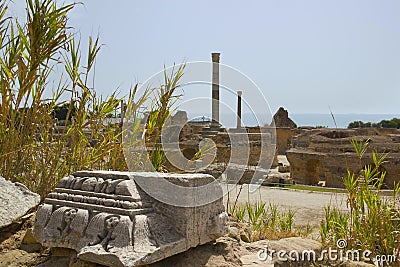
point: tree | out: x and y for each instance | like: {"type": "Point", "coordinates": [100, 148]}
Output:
{"type": "Point", "coordinates": [393, 123]}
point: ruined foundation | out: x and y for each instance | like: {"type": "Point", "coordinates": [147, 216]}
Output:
{"type": "Point", "coordinates": [326, 155]}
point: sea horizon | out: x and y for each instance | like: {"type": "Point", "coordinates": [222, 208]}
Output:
{"type": "Point", "coordinates": [341, 120]}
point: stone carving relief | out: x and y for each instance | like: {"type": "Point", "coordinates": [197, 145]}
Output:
{"type": "Point", "coordinates": [105, 216]}
{"type": "Point", "coordinates": [109, 231]}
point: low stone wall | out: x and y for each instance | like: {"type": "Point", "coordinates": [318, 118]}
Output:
{"type": "Point", "coordinates": [327, 154]}
{"type": "Point", "coordinates": [256, 148]}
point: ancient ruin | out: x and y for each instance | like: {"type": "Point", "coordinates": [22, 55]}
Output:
{"type": "Point", "coordinates": [242, 154]}
{"type": "Point", "coordinates": [239, 110]}
{"type": "Point", "coordinates": [281, 119]}
{"type": "Point", "coordinates": [326, 154]}
{"type": "Point", "coordinates": [215, 88]}
{"type": "Point", "coordinates": [108, 219]}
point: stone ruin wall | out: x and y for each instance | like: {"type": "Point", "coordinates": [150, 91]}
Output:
{"type": "Point", "coordinates": [284, 138]}
{"type": "Point", "coordinates": [191, 135]}
{"type": "Point", "coordinates": [254, 147]}
{"type": "Point", "coordinates": [326, 154]}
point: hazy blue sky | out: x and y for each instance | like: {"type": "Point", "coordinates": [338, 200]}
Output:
{"type": "Point", "coordinates": [305, 55]}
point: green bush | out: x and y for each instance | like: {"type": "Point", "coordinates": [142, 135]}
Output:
{"type": "Point", "coordinates": [64, 112]}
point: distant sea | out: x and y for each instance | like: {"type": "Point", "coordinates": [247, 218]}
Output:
{"type": "Point", "coordinates": [324, 120]}
{"type": "Point", "coordinates": [341, 120]}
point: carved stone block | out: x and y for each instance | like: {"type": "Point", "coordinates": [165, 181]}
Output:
{"type": "Point", "coordinates": [107, 218]}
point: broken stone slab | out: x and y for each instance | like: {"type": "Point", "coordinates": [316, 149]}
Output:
{"type": "Point", "coordinates": [109, 217]}
{"type": "Point", "coordinates": [15, 201]}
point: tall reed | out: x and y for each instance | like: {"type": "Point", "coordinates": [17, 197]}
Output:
{"type": "Point", "coordinates": [373, 222]}
{"type": "Point", "coordinates": [34, 148]}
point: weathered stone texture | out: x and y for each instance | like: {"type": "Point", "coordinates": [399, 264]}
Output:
{"type": "Point", "coordinates": [108, 219]}
{"type": "Point", "coordinates": [327, 154]}
{"type": "Point", "coordinates": [251, 146]}
{"type": "Point", "coordinates": [281, 119]}
{"type": "Point", "coordinates": [293, 245]}
{"type": "Point", "coordinates": [15, 201]}
{"type": "Point", "coordinates": [283, 139]}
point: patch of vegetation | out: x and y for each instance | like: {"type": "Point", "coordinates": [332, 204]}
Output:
{"type": "Point", "coordinates": [64, 112]}
{"type": "Point", "coordinates": [266, 221]}
{"type": "Point", "coordinates": [373, 222]}
{"type": "Point", "coordinates": [393, 123]}
{"type": "Point", "coordinates": [32, 150]}
{"type": "Point", "coordinates": [315, 188]}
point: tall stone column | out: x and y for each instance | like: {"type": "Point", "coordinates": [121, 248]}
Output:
{"type": "Point", "coordinates": [239, 110]}
{"type": "Point", "coordinates": [215, 88]}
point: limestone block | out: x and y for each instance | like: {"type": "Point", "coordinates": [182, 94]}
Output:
{"type": "Point", "coordinates": [15, 201]}
{"type": "Point", "coordinates": [109, 219]}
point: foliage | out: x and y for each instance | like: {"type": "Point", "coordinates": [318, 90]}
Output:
{"type": "Point", "coordinates": [64, 112]}
{"type": "Point", "coordinates": [265, 221]}
{"type": "Point", "coordinates": [34, 150]}
{"type": "Point", "coordinates": [161, 109]}
{"type": "Point", "coordinates": [393, 123]}
{"type": "Point", "coordinates": [373, 221]}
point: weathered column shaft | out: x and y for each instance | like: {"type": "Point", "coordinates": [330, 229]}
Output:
{"type": "Point", "coordinates": [215, 87]}
{"type": "Point", "coordinates": [239, 110]}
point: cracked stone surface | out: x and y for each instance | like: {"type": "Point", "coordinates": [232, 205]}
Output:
{"type": "Point", "coordinates": [15, 201]}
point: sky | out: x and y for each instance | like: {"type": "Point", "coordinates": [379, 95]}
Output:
{"type": "Point", "coordinates": [309, 56]}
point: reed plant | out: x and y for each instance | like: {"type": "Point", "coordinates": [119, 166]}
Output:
{"type": "Point", "coordinates": [42, 69]}
{"type": "Point", "coordinates": [33, 149]}
{"type": "Point", "coordinates": [373, 221]}
{"type": "Point", "coordinates": [162, 107]}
